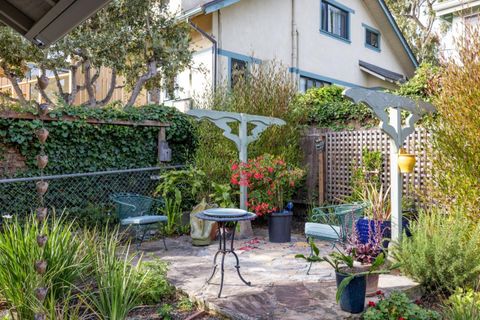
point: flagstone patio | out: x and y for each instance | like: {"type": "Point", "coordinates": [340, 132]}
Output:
{"type": "Point", "coordinates": [280, 289]}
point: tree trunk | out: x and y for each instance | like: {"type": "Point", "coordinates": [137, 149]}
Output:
{"type": "Point", "coordinates": [111, 89]}
{"type": "Point", "coordinates": [59, 85]}
{"type": "Point", "coordinates": [16, 87]}
{"type": "Point", "coordinates": [151, 72]}
{"type": "Point", "coordinates": [74, 89]}
{"type": "Point", "coordinates": [155, 96]}
{"type": "Point", "coordinates": [92, 102]}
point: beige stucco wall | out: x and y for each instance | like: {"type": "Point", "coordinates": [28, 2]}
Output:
{"type": "Point", "coordinates": [263, 29]}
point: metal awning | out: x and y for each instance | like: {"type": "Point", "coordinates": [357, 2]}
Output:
{"type": "Point", "coordinates": [45, 21]}
{"type": "Point", "coordinates": [381, 73]}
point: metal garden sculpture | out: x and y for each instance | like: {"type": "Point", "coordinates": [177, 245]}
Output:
{"type": "Point", "coordinates": [223, 120]}
{"type": "Point", "coordinates": [388, 108]}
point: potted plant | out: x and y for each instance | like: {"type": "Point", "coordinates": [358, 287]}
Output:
{"type": "Point", "coordinates": [350, 278]}
{"type": "Point", "coordinates": [406, 161]}
{"type": "Point", "coordinates": [366, 253]}
{"type": "Point", "coordinates": [271, 182]}
{"type": "Point", "coordinates": [377, 213]}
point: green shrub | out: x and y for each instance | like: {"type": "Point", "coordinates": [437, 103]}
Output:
{"type": "Point", "coordinates": [327, 107]}
{"type": "Point", "coordinates": [119, 286]}
{"type": "Point", "coordinates": [463, 305]}
{"type": "Point", "coordinates": [456, 143]}
{"type": "Point", "coordinates": [267, 91]}
{"type": "Point", "coordinates": [398, 306]}
{"type": "Point", "coordinates": [66, 256]}
{"type": "Point", "coordinates": [443, 252]}
{"type": "Point", "coordinates": [155, 286]}
{"type": "Point", "coordinates": [81, 147]}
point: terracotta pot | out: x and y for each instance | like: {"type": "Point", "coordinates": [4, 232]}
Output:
{"type": "Point", "coordinates": [41, 214]}
{"type": "Point", "coordinates": [42, 161]}
{"type": "Point", "coordinates": [372, 281]}
{"type": "Point", "coordinates": [41, 266]}
{"type": "Point", "coordinates": [41, 293]}
{"type": "Point", "coordinates": [43, 82]}
{"type": "Point", "coordinates": [42, 135]}
{"type": "Point", "coordinates": [42, 240]}
{"type": "Point", "coordinates": [42, 187]}
{"type": "Point", "coordinates": [406, 162]}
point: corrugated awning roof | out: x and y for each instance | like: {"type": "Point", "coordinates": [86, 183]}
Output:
{"type": "Point", "coordinates": [45, 21]}
{"type": "Point", "coordinates": [381, 73]}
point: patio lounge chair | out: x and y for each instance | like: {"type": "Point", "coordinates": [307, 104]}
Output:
{"type": "Point", "coordinates": [332, 223]}
{"type": "Point", "coordinates": [139, 212]}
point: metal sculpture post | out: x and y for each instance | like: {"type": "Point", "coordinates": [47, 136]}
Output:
{"type": "Point", "coordinates": [223, 120]}
{"type": "Point", "coordinates": [388, 108]}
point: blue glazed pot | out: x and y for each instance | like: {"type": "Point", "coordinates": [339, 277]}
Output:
{"type": "Point", "coordinates": [353, 297]}
{"type": "Point", "coordinates": [385, 226]}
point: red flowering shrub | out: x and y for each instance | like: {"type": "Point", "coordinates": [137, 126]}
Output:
{"type": "Point", "coordinates": [270, 182]}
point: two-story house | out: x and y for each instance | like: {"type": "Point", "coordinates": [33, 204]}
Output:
{"type": "Point", "coordinates": [345, 42]}
{"type": "Point", "coordinates": [458, 15]}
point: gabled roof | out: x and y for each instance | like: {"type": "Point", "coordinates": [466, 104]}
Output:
{"type": "Point", "coordinates": [45, 21]}
{"type": "Point", "coordinates": [205, 7]}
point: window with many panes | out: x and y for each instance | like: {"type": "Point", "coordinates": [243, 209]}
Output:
{"type": "Point", "coordinates": [334, 20]}
{"type": "Point", "coordinates": [372, 38]}
{"type": "Point", "coordinates": [307, 83]}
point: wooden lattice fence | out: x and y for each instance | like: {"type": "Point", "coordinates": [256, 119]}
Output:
{"type": "Point", "coordinates": [343, 153]}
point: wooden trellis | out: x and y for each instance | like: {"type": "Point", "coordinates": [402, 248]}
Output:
{"type": "Point", "coordinates": [343, 153]}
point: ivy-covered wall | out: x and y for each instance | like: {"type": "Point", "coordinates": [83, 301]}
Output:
{"type": "Point", "coordinates": [81, 147]}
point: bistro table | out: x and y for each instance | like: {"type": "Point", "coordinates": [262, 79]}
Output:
{"type": "Point", "coordinates": [223, 216]}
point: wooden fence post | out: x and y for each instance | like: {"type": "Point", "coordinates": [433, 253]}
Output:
{"type": "Point", "coordinates": [321, 169]}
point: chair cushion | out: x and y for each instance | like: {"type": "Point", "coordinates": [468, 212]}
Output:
{"type": "Point", "coordinates": [143, 220]}
{"type": "Point", "coordinates": [321, 231]}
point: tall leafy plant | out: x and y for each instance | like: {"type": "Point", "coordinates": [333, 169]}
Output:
{"type": "Point", "coordinates": [456, 144]}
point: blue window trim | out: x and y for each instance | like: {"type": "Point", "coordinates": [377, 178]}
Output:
{"type": "Point", "coordinates": [323, 78]}
{"type": "Point", "coordinates": [348, 10]}
{"type": "Point", "coordinates": [371, 29]}
{"type": "Point", "coordinates": [238, 56]}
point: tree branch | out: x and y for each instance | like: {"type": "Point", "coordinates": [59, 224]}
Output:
{"type": "Point", "coordinates": [111, 89]}
{"type": "Point", "coordinates": [151, 72]}
{"type": "Point", "coordinates": [59, 85]}
{"type": "Point", "coordinates": [8, 97]}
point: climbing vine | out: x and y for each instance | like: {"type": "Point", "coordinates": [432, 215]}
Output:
{"type": "Point", "coordinates": [77, 146]}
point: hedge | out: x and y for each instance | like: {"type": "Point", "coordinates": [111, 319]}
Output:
{"type": "Point", "coordinates": [77, 146]}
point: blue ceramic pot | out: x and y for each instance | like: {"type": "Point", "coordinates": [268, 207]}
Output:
{"type": "Point", "coordinates": [353, 297]}
{"type": "Point", "coordinates": [365, 224]}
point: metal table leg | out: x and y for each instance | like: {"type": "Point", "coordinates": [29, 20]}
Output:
{"type": "Point", "coordinates": [222, 249]}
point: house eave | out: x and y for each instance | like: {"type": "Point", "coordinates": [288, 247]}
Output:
{"type": "Point", "coordinates": [449, 7]}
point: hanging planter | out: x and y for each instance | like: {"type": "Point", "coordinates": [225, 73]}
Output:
{"type": "Point", "coordinates": [42, 161]}
{"type": "Point", "coordinates": [41, 266]}
{"type": "Point", "coordinates": [43, 82]}
{"type": "Point", "coordinates": [42, 187]}
{"type": "Point", "coordinates": [406, 161]}
{"type": "Point", "coordinates": [43, 109]}
{"type": "Point", "coordinates": [41, 294]}
{"type": "Point", "coordinates": [42, 135]}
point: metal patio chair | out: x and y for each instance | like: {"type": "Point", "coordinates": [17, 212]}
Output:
{"type": "Point", "coordinates": [139, 212]}
{"type": "Point", "coordinates": [332, 223]}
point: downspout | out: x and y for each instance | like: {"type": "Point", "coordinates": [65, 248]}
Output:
{"type": "Point", "coordinates": [294, 36]}
{"type": "Point", "coordinates": [214, 52]}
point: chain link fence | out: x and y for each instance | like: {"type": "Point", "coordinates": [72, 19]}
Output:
{"type": "Point", "coordinates": [88, 193]}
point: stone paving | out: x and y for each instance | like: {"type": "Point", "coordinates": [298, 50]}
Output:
{"type": "Point", "coordinates": [280, 289]}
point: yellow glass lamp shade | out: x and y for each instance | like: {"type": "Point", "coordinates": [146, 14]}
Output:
{"type": "Point", "coordinates": [406, 161]}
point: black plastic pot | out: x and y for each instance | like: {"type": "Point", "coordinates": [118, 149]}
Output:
{"type": "Point", "coordinates": [280, 227]}
{"type": "Point", "coordinates": [353, 297]}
